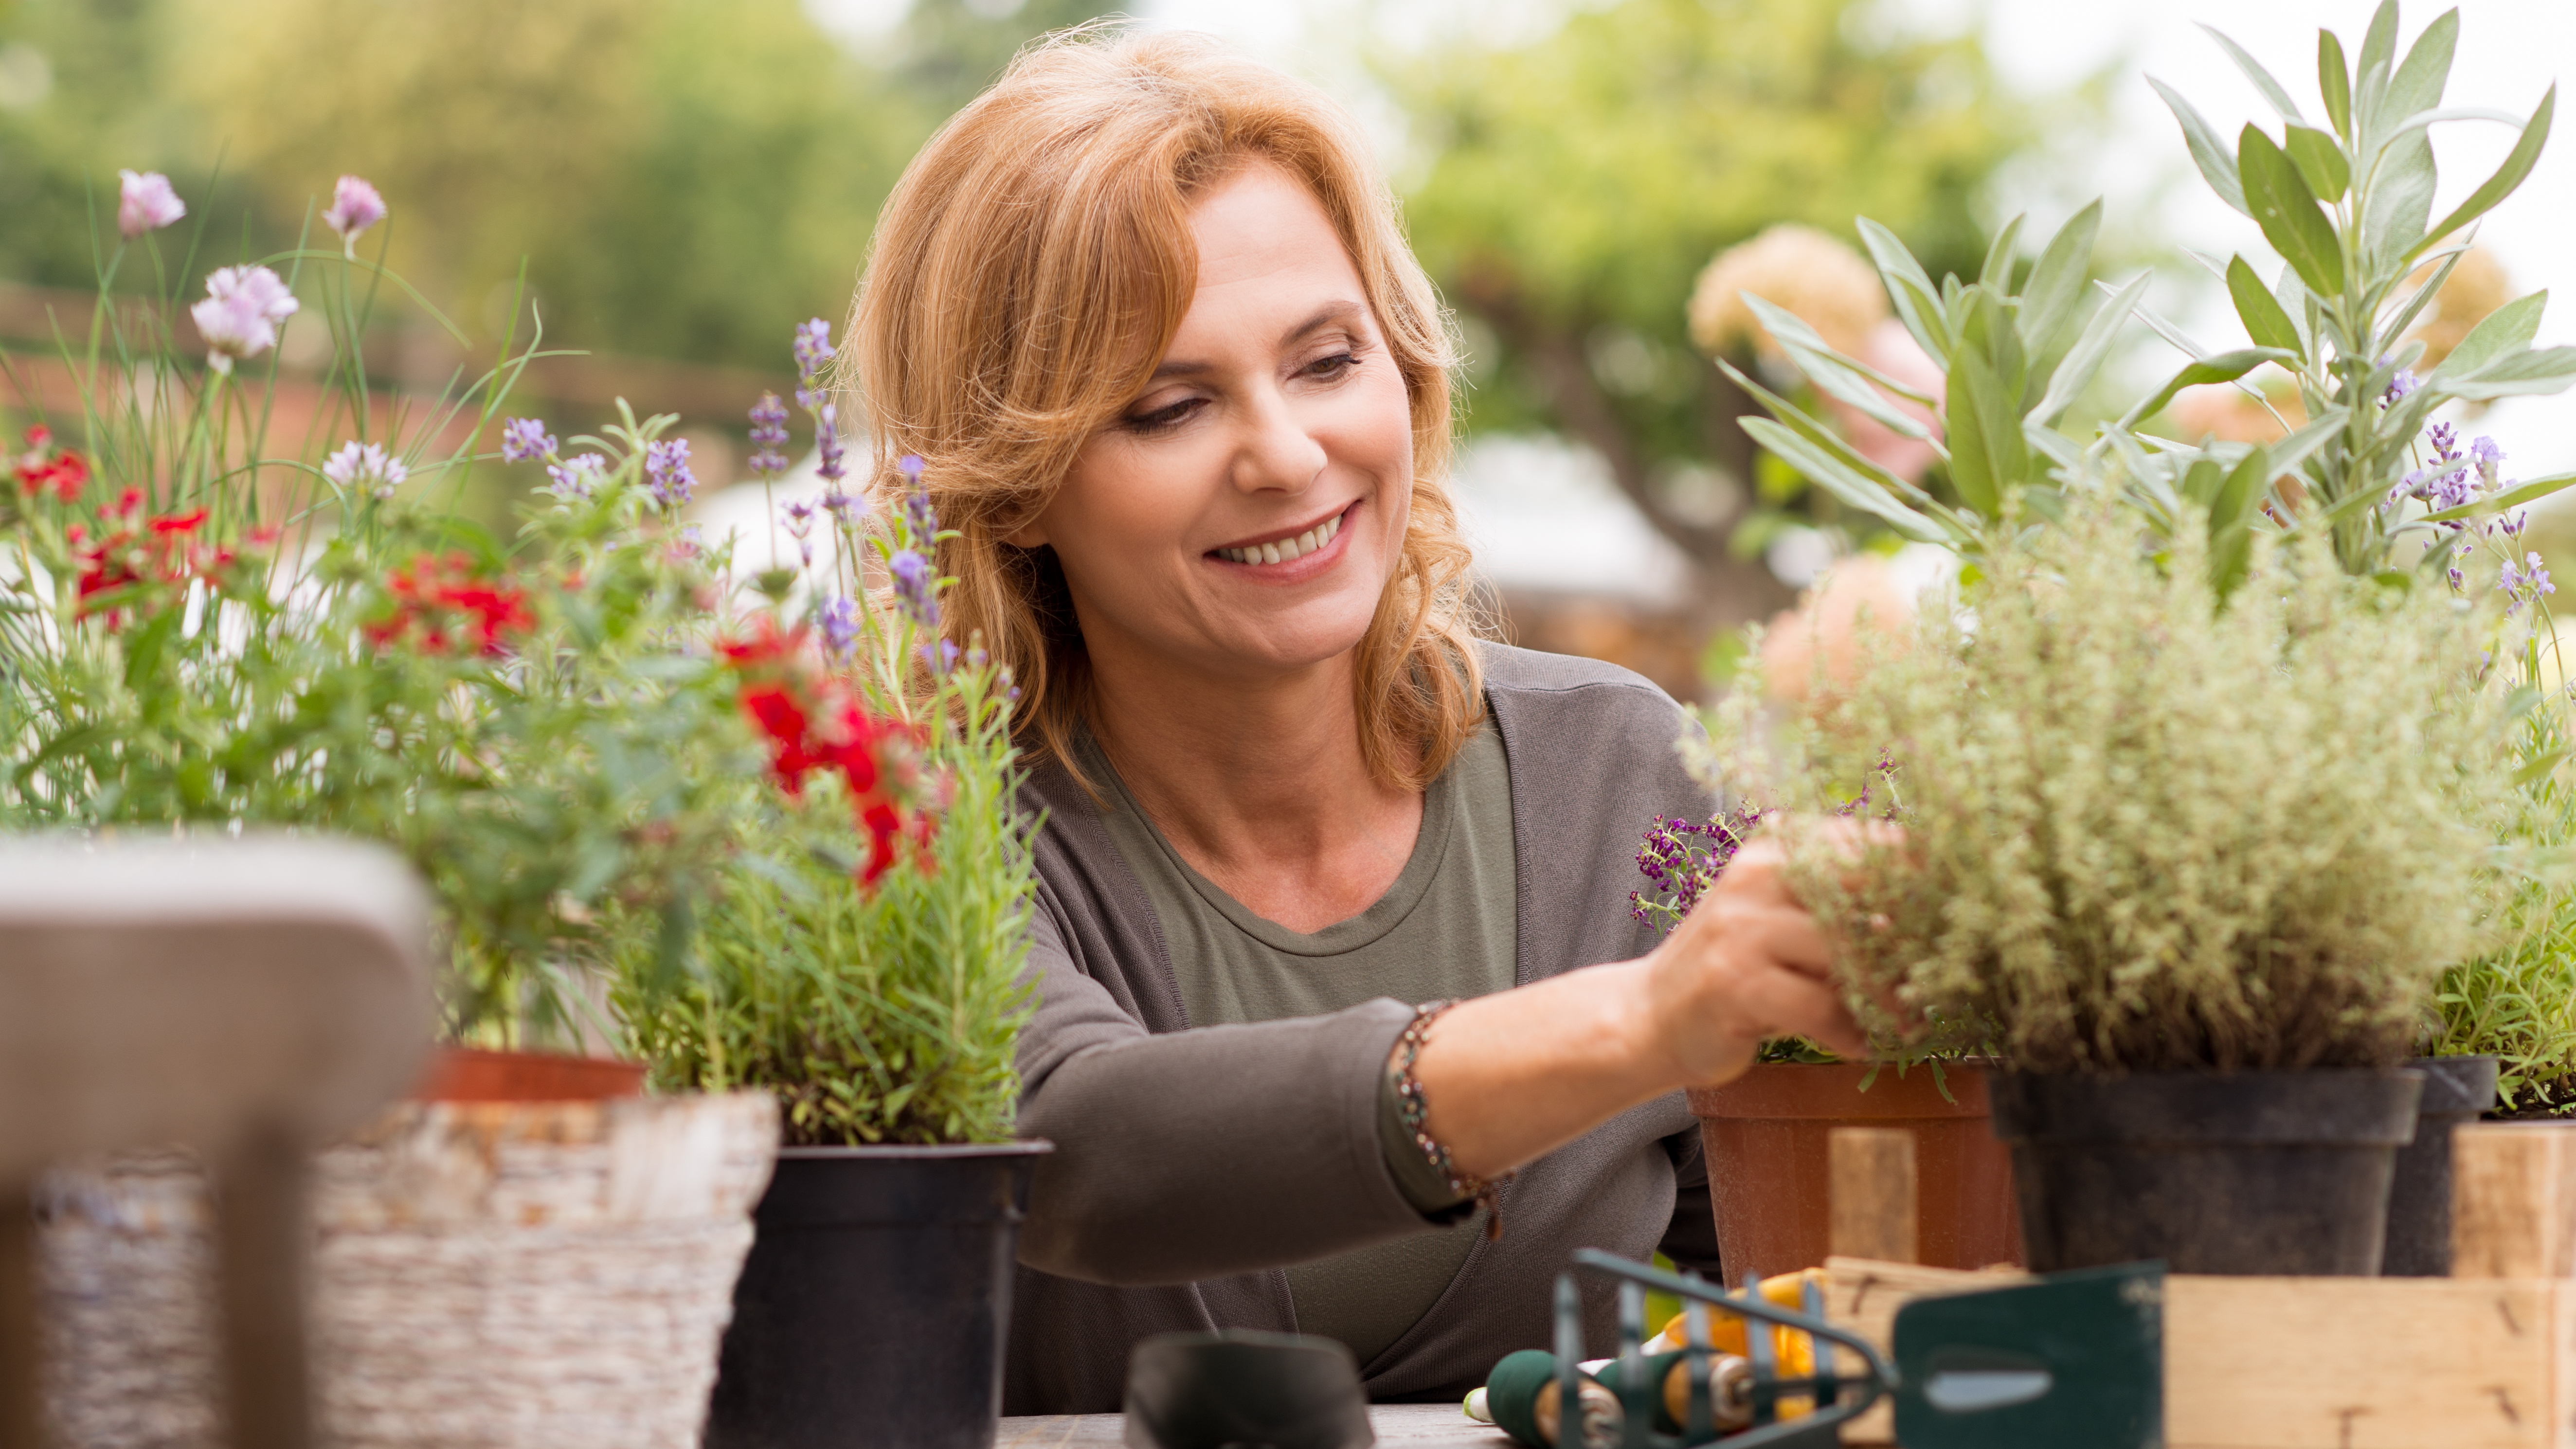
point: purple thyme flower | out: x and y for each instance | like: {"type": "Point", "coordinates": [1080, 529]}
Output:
{"type": "Point", "coordinates": [365, 463]}
{"type": "Point", "coordinates": [827, 442]}
{"type": "Point", "coordinates": [1683, 860]}
{"type": "Point", "coordinates": [355, 206]}
{"type": "Point", "coordinates": [240, 314]}
{"type": "Point", "coordinates": [916, 586]}
{"type": "Point", "coordinates": [576, 477]}
{"type": "Point", "coordinates": [768, 435]}
{"type": "Point", "coordinates": [839, 623]}
{"type": "Point", "coordinates": [145, 202]}
{"type": "Point", "coordinates": [666, 467]}
{"type": "Point", "coordinates": [525, 438]}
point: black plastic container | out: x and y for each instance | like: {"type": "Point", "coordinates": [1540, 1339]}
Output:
{"type": "Point", "coordinates": [876, 1301]}
{"type": "Point", "coordinates": [2456, 1090]}
{"type": "Point", "coordinates": [2212, 1172]}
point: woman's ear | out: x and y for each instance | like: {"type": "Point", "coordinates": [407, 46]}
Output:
{"type": "Point", "coordinates": [1030, 534]}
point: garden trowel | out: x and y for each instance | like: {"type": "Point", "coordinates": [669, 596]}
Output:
{"type": "Point", "coordinates": [2067, 1361]}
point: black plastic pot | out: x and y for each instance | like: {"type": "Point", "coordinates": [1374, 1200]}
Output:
{"type": "Point", "coordinates": [876, 1300]}
{"type": "Point", "coordinates": [2212, 1172]}
{"type": "Point", "coordinates": [2456, 1090]}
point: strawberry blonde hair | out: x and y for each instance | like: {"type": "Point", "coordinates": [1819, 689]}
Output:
{"type": "Point", "coordinates": [1027, 275]}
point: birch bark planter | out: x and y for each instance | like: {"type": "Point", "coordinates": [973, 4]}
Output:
{"type": "Point", "coordinates": [1769, 1170]}
{"type": "Point", "coordinates": [551, 1275]}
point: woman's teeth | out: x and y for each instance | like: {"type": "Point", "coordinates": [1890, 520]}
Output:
{"type": "Point", "coordinates": [1286, 548]}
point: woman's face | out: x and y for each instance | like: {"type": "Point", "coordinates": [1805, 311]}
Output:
{"type": "Point", "coordinates": [1242, 515]}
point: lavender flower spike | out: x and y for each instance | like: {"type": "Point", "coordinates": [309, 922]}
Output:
{"type": "Point", "coordinates": [576, 477]}
{"type": "Point", "coordinates": [813, 348]}
{"type": "Point", "coordinates": [839, 626]}
{"type": "Point", "coordinates": [525, 438]}
{"type": "Point", "coordinates": [915, 586]}
{"type": "Point", "coordinates": [827, 442]}
{"type": "Point", "coordinates": [666, 467]}
{"type": "Point", "coordinates": [768, 435]}
{"type": "Point", "coordinates": [355, 206]}
{"type": "Point", "coordinates": [145, 202]}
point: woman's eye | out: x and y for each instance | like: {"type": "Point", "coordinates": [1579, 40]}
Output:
{"type": "Point", "coordinates": [1333, 366]}
{"type": "Point", "coordinates": [1168, 416]}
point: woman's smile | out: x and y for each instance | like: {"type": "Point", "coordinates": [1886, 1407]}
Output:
{"type": "Point", "coordinates": [1291, 555]}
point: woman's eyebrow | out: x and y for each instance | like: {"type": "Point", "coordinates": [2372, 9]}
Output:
{"type": "Point", "coordinates": [1324, 316]}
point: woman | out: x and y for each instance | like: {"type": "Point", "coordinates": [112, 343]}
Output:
{"type": "Point", "coordinates": [1184, 393]}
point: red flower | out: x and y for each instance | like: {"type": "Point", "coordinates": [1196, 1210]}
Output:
{"type": "Point", "coordinates": [62, 475]}
{"type": "Point", "coordinates": [437, 601]}
{"type": "Point", "coordinates": [812, 725]}
{"type": "Point", "coordinates": [172, 524]}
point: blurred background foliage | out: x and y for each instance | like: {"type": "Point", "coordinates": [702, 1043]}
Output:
{"type": "Point", "coordinates": [684, 180]}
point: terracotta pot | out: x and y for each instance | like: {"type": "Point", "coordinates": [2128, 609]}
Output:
{"type": "Point", "coordinates": [1769, 1169]}
{"type": "Point", "coordinates": [471, 1074]}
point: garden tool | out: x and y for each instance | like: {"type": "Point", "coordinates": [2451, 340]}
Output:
{"type": "Point", "coordinates": [2070, 1361]}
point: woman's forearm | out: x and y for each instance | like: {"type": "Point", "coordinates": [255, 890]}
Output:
{"type": "Point", "coordinates": [1509, 1077]}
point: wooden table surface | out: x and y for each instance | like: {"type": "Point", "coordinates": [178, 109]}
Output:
{"type": "Point", "coordinates": [1416, 1426]}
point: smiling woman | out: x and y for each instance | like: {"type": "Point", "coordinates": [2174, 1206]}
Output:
{"type": "Point", "coordinates": [1146, 310]}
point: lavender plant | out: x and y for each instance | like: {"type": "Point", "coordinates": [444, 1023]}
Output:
{"type": "Point", "coordinates": [872, 973]}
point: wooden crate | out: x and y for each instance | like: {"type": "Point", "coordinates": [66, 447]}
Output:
{"type": "Point", "coordinates": [2485, 1359]}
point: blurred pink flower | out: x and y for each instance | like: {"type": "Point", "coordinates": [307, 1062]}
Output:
{"type": "Point", "coordinates": [355, 206]}
{"type": "Point", "coordinates": [1892, 350]}
{"type": "Point", "coordinates": [145, 202]}
{"type": "Point", "coordinates": [240, 314]}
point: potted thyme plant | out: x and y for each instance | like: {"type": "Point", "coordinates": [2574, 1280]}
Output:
{"type": "Point", "coordinates": [870, 975]}
{"type": "Point", "coordinates": [2345, 201]}
{"type": "Point", "coordinates": [199, 634]}
{"type": "Point", "coordinates": [2148, 840]}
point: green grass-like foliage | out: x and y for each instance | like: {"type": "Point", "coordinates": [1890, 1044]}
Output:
{"type": "Point", "coordinates": [2145, 832]}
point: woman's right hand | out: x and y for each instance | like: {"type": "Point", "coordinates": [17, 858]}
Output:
{"type": "Point", "coordinates": [1748, 964]}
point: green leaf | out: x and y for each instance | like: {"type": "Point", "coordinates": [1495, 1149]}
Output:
{"type": "Point", "coordinates": [2234, 514]}
{"type": "Point", "coordinates": [2200, 372]}
{"type": "Point", "coordinates": [2379, 42]}
{"type": "Point", "coordinates": [2508, 328]}
{"type": "Point", "coordinates": [2396, 323]}
{"type": "Point", "coordinates": [1996, 275]}
{"type": "Point", "coordinates": [2535, 134]}
{"type": "Point", "coordinates": [2085, 357]}
{"type": "Point", "coordinates": [1848, 484]}
{"type": "Point", "coordinates": [2048, 298]}
{"type": "Point", "coordinates": [2283, 206]}
{"type": "Point", "coordinates": [1832, 443]}
{"type": "Point", "coordinates": [2531, 492]}
{"type": "Point", "coordinates": [2207, 151]}
{"type": "Point", "coordinates": [1988, 455]}
{"type": "Point", "coordinates": [2538, 372]}
{"type": "Point", "coordinates": [145, 646]}
{"type": "Point", "coordinates": [2261, 78]}
{"type": "Point", "coordinates": [1918, 302]}
{"type": "Point", "coordinates": [1833, 373]}
{"type": "Point", "coordinates": [2392, 219]}
{"type": "Point", "coordinates": [2320, 161]}
{"type": "Point", "coordinates": [2334, 80]}
{"type": "Point", "coordinates": [2264, 319]}
{"type": "Point", "coordinates": [2418, 83]}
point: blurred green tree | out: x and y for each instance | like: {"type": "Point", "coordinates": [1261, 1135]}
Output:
{"type": "Point", "coordinates": [1577, 185]}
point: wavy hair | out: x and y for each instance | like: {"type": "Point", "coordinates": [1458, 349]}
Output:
{"type": "Point", "coordinates": [1027, 274]}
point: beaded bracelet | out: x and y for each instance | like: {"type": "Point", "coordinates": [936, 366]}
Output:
{"type": "Point", "coordinates": [1409, 1102]}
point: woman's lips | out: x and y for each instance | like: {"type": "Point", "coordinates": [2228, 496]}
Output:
{"type": "Point", "coordinates": [1286, 548]}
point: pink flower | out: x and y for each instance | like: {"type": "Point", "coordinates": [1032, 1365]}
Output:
{"type": "Point", "coordinates": [145, 202]}
{"type": "Point", "coordinates": [355, 206]}
{"type": "Point", "coordinates": [240, 314]}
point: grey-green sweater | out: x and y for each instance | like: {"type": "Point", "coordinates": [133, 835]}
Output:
{"type": "Point", "coordinates": [1193, 1165]}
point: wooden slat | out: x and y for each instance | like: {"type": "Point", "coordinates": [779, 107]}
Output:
{"type": "Point", "coordinates": [1874, 1213]}
{"type": "Point", "coordinates": [2317, 1363]}
{"type": "Point", "coordinates": [2513, 1200]}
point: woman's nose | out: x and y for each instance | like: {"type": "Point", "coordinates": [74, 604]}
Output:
{"type": "Point", "coordinates": [1277, 452]}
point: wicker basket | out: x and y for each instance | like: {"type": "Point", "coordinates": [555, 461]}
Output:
{"type": "Point", "coordinates": [487, 1274]}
